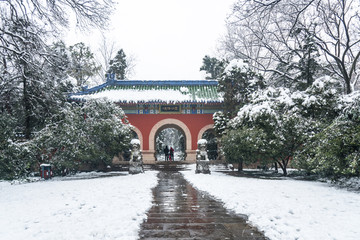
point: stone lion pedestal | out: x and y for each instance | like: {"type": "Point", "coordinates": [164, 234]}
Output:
{"type": "Point", "coordinates": [136, 163]}
{"type": "Point", "coordinates": [202, 160]}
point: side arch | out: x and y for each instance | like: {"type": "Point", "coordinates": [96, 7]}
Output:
{"type": "Point", "coordinates": [141, 139]}
{"type": "Point", "coordinates": [204, 129]}
{"type": "Point", "coordinates": [169, 121]}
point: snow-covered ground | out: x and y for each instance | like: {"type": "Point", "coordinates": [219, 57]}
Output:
{"type": "Point", "coordinates": [287, 209]}
{"type": "Point", "coordinates": [95, 208]}
{"type": "Point", "coordinates": [89, 206]}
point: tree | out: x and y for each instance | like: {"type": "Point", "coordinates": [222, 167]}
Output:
{"type": "Point", "coordinates": [106, 52]}
{"type": "Point", "coordinates": [118, 65]}
{"type": "Point", "coordinates": [32, 82]}
{"type": "Point", "coordinates": [212, 66]}
{"type": "Point", "coordinates": [320, 100]}
{"type": "Point", "coordinates": [27, 69]}
{"type": "Point", "coordinates": [334, 151]}
{"type": "Point", "coordinates": [268, 31]}
{"type": "Point", "coordinates": [83, 64]}
{"type": "Point", "coordinates": [301, 64]}
{"type": "Point", "coordinates": [236, 84]}
{"type": "Point", "coordinates": [212, 144]}
{"type": "Point", "coordinates": [57, 13]}
{"type": "Point", "coordinates": [285, 130]}
{"type": "Point", "coordinates": [243, 145]}
{"type": "Point", "coordinates": [89, 134]}
{"type": "Point", "coordinates": [16, 158]}
{"type": "Point", "coordinates": [220, 123]}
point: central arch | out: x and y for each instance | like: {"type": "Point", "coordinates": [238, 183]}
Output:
{"type": "Point", "coordinates": [170, 123]}
{"type": "Point", "coordinates": [176, 144]}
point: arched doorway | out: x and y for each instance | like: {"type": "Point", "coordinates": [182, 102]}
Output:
{"type": "Point", "coordinates": [171, 136]}
{"type": "Point", "coordinates": [170, 123]}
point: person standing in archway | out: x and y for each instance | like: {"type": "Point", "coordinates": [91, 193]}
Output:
{"type": "Point", "coordinates": [166, 152]}
{"type": "Point", "coordinates": [171, 154]}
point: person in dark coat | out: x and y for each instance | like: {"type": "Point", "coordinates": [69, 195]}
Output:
{"type": "Point", "coordinates": [171, 154]}
{"type": "Point", "coordinates": [166, 152]}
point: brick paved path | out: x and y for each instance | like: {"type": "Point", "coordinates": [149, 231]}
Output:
{"type": "Point", "coordinates": [181, 212]}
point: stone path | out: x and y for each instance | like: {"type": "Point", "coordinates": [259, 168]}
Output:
{"type": "Point", "coordinates": [181, 212]}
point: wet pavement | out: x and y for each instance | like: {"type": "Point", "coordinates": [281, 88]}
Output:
{"type": "Point", "coordinates": [181, 212]}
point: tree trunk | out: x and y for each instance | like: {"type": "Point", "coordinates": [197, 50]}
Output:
{"type": "Point", "coordinates": [282, 165]}
{"type": "Point", "coordinates": [240, 167]}
{"type": "Point", "coordinates": [348, 86]}
{"type": "Point", "coordinates": [276, 167]}
{"type": "Point", "coordinates": [285, 171]}
{"type": "Point", "coordinates": [27, 108]}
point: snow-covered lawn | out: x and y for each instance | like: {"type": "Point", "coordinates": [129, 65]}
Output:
{"type": "Point", "coordinates": [98, 208]}
{"type": "Point", "coordinates": [287, 209]}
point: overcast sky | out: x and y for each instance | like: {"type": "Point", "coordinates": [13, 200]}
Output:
{"type": "Point", "coordinates": [168, 38]}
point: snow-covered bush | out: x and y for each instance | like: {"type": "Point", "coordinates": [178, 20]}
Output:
{"type": "Point", "coordinates": [278, 114]}
{"type": "Point", "coordinates": [321, 99]}
{"type": "Point", "coordinates": [16, 158]}
{"type": "Point", "coordinates": [90, 133]}
{"type": "Point", "coordinates": [335, 151]}
{"type": "Point", "coordinates": [244, 145]}
{"type": "Point", "coordinates": [220, 122]}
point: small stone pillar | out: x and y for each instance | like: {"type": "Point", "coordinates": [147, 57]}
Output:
{"type": "Point", "coordinates": [202, 160]}
{"type": "Point", "coordinates": [136, 163]}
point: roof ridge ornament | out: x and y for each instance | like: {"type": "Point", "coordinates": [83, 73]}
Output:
{"type": "Point", "coordinates": [110, 77]}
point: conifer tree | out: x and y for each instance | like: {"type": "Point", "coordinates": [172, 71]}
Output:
{"type": "Point", "coordinates": [237, 82]}
{"type": "Point", "coordinates": [212, 66]}
{"type": "Point", "coordinates": [118, 65]}
{"type": "Point", "coordinates": [83, 64]}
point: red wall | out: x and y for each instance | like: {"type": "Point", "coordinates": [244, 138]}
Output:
{"type": "Point", "coordinates": [145, 122]}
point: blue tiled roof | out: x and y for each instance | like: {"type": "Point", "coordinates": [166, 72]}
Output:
{"type": "Point", "coordinates": [195, 91]}
{"type": "Point", "coordinates": [137, 83]}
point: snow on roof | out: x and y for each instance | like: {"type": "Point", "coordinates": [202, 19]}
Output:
{"type": "Point", "coordinates": [135, 91]}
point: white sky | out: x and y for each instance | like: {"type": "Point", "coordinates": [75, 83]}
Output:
{"type": "Point", "coordinates": [168, 38]}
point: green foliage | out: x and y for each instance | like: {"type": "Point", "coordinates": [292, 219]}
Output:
{"type": "Point", "coordinates": [16, 158]}
{"type": "Point", "coordinates": [244, 145]}
{"type": "Point", "coordinates": [212, 144]}
{"type": "Point", "coordinates": [300, 66]}
{"type": "Point", "coordinates": [277, 115]}
{"type": "Point", "coordinates": [334, 152]}
{"type": "Point", "coordinates": [118, 65]}
{"type": "Point", "coordinates": [83, 64]}
{"type": "Point", "coordinates": [236, 84]}
{"type": "Point", "coordinates": [220, 123]}
{"type": "Point", "coordinates": [289, 137]}
{"type": "Point", "coordinates": [90, 134]}
{"type": "Point", "coordinates": [321, 100]}
{"type": "Point", "coordinates": [213, 66]}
